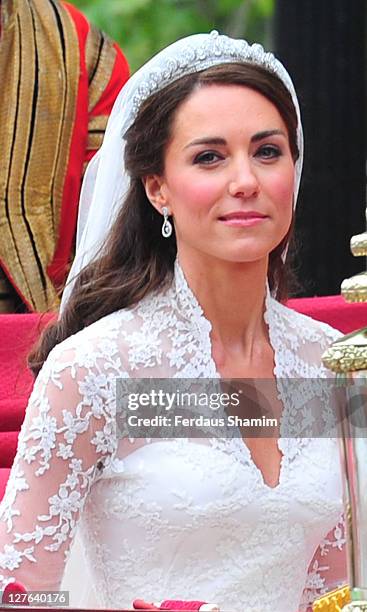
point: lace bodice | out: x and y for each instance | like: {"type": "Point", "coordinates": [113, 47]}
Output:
{"type": "Point", "coordinates": [183, 518]}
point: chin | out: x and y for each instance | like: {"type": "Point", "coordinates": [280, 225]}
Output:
{"type": "Point", "coordinates": [230, 253]}
{"type": "Point", "coordinates": [241, 258]}
{"type": "Point", "coordinates": [245, 255]}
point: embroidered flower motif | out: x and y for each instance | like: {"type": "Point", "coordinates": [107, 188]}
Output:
{"type": "Point", "coordinates": [85, 355]}
{"type": "Point", "coordinates": [65, 451]}
{"type": "Point", "coordinates": [93, 389]}
{"type": "Point", "coordinates": [176, 358]}
{"type": "Point", "coordinates": [145, 350]}
{"type": "Point", "coordinates": [76, 465]}
{"type": "Point", "coordinates": [29, 453]}
{"type": "Point", "coordinates": [103, 442]}
{"type": "Point", "coordinates": [64, 503]}
{"type": "Point", "coordinates": [11, 558]}
{"type": "Point", "coordinates": [74, 426]}
{"type": "Point", "coordinates": [43, 428]}
{"type": "Point", "coordinates": [18, 483]}
{"type": "Point", "coordinates": [71, 481]}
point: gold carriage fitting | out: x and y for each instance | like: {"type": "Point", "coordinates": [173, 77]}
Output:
{"type": "Point", "coordinates": [347, 357]}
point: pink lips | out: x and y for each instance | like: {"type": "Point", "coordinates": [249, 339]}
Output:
{"type": "Point", "coordinates": [242, 218]}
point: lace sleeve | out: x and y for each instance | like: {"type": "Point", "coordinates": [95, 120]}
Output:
{"type": "Point", "coordinates": [327, 570]}
{"type": "Point", "coordinates": [66, 438]}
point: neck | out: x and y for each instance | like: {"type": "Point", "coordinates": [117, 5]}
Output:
{"type": "Point", "coordinates": [232, 298]}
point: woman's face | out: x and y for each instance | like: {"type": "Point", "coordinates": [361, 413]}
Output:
{"type": "Point", "coordinates": [229, 175]}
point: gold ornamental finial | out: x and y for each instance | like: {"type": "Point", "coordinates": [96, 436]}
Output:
{"type": "Point", "coordinates": [333, 601]}
{"type": "Point", "coordinates": [350, 352]}
{"type": "Point", "coordinates": [348, 358]}
{"type": "Point", "coordinates": [354, 289]}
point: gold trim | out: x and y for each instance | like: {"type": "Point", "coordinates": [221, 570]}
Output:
{"type": "Point", "coordinates": [345, 359]}
{"type": "Point", "coordinates": [37, 118]}
{"type": "Point", "coordinates": [358, 244]}
{"type": "Point", "coordinates": [92, 50]}
{"type": "Point", "coordinates": [102, 72]}
{"type": "Point", "coordinates": [333, 601]}
{"type": "Point", "coordinates": [98, 123]}
{"type": "Point", "coordinates": [94, 141]}
{"type": "Point", "coordinates": [8, 13]}
{"type": "Point", "coordinates": [96, 130]}
{"type": "Point", "coordinates": [354, 289]}
{"type": "Point", "coordinates": [347, 354]}
{"type": "Point", "coordinates": [71, 85]}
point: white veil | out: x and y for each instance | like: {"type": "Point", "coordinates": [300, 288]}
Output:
{"type": "Point", "coordinates": [106, 183]}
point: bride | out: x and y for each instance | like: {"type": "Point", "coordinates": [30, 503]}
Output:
{"type": "Point", "coordinates": [184, 224]}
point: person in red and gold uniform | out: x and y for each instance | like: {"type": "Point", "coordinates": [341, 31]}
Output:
{"type": "Point", "coordinates": [60, 76]}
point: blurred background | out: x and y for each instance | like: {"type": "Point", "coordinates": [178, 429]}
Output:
{"type": "Point", "coordinates": [143, 27]}
{"type": "Point", "coordinates": [323, 45]}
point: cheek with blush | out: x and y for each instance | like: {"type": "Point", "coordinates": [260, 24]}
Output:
{"type": "Point", "coordinates": [281, 190]}
{"type": "Point", "coordinates": [195, 195]}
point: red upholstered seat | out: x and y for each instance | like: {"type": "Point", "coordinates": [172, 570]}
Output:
{"type": "Point", "coordinates": [333, 309]}
{"type": "Point", "coordinates": [4, 475]}
{"type": "Point", "coordinates": [19, 332]}
{"type": "Point", "coordinates": [8, 447]}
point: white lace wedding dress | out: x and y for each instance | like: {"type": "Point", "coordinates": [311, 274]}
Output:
{"type": "Point", "coordinates": [185, 518]}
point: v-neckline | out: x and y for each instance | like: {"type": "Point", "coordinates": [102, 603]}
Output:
{"type": "Point", "coordinates": [256, 469]}
{"type": "Point", "coordinates": [204, 328]}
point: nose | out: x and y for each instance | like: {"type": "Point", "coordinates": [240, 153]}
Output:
{"type": "Point", "coordinates": [243, 181]}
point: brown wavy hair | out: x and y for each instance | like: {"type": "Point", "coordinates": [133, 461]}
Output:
{"type": "Point", "coordinates": [135, 259]}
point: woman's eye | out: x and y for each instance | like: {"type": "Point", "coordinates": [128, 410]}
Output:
{"type": "Point", "coordinates": [268, 152]}
{"type": "Point", "coordinates": [207, 157]}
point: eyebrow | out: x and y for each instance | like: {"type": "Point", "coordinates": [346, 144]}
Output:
{"type": "Point", "coordinates": [267, 134]}
{"type": "Point", "coordinates": [221, 141]}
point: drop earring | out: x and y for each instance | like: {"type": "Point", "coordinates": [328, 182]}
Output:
{"type": "Point", "coordinates": [167, 225]}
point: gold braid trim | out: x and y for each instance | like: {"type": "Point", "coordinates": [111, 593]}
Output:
{"type": "Point", "coordinates": [96, 130]}
{"type": "Point", "coordinates": [100, 56]}
{"type": "Point", "coordinates": [98, 123]}
{"type": "Point", "coordinates": [39, 63]}
{"type": "Point", "coordinates": [100, 60]}
{"type": "Point", "coordinates": [92, 50]}
{"type": "Point", "coordinates": [94, 140]}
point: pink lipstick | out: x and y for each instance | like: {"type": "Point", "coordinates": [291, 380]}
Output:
{"type": "Point", "coordinates": [242, 218]}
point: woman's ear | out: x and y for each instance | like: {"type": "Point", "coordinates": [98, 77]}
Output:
{"type": "Point", "coordinates": [153, 185]}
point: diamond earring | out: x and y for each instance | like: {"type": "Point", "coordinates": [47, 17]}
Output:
{"type": "Point", "coordinates": [167, 225]}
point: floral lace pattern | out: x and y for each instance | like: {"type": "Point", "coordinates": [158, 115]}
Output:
{"type": "Point", "coordinates": [181, 518]}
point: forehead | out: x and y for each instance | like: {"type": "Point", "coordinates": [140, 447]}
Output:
{"type": "Point", "coordinates": [214, 106]}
